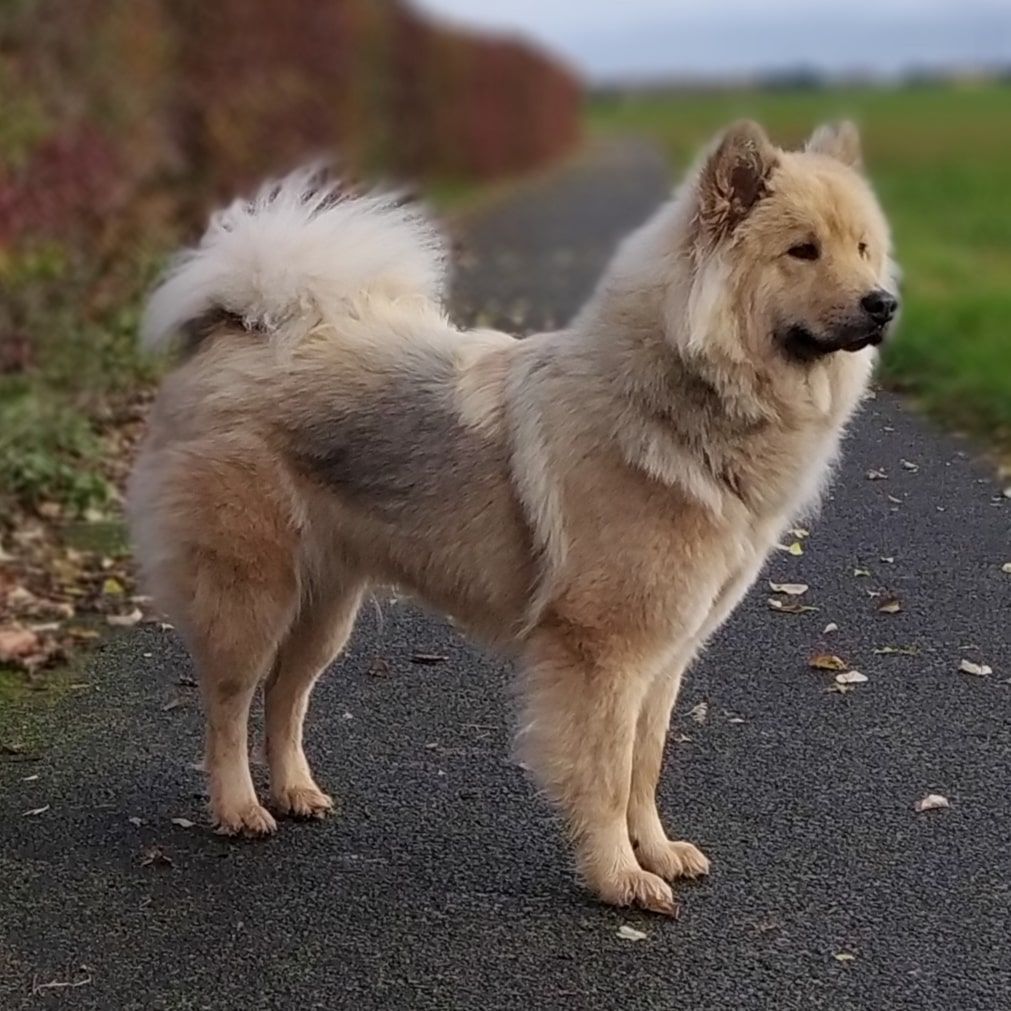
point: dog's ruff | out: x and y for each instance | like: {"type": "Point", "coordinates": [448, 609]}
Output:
{"type": "Point", "coordinates": [595, 500]}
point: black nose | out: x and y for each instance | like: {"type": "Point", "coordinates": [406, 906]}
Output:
{"type": "Point", "coordinates": [880, 305]}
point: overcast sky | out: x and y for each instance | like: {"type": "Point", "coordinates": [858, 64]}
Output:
{"type": "Point", "coordinates": [617, 39]}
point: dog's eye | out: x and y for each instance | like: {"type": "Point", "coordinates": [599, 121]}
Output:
{"type": "Point", "coordinates": [862, 249]}
{"type": "Point", "coordinates": [804, 251]}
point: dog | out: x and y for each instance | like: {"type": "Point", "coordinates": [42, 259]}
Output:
{"type": "Point", "coordinates": [594, 501]}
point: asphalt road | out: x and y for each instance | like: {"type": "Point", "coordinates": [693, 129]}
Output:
{"type": "Point", "coordinates": [443, 881]}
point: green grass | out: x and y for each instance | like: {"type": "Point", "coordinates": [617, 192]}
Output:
{"type": "Point", "coordinates": [940, 157]}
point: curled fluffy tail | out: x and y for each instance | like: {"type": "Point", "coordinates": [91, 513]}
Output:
{"type": "Point", "coordinates": [294, 252]}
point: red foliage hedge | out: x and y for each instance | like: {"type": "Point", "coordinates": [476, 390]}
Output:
{"type": "Point", "coordinates": [106, 105]}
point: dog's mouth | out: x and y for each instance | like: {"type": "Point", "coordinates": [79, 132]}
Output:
{"type": "Point", "coordinates": [804, 345]}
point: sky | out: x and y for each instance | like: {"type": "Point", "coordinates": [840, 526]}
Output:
{"type": "Point", "coordinates": [614, 40]}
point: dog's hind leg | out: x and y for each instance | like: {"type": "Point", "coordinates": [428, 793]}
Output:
{"type": "Point", "coordinates": [233, 647]}
{"type": "Point", "coordinates": [223, 564]}
{"type": "Point", "coordinates": [315, 639]}
{"type": "Point", "coordinates": [580, 719]}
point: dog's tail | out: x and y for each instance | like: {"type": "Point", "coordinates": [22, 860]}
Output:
{"type": "Point", "coordinates": [295, 254]}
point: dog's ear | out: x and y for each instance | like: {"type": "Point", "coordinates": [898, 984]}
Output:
{"type": "Point", "coordinates": [734, 177]}
{"type": "Point", "coordinates": [838, 140]}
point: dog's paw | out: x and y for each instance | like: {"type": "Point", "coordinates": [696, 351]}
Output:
{"type": "Point", "coordinates": [252, 821]}
{"type": "Point", "coordinates": [302, 802]}
{"type": "Point", "coordinates": [675, 859]}
{"type": "Point", "coordinates": [641, 889]}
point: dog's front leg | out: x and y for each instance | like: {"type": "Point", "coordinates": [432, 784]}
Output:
{"type": "Point", "coordinates": [673, 858]}
{"type": "Point", "coordinates": [670, 858]}
{"type": "Point", "coordinates": [578, 738]}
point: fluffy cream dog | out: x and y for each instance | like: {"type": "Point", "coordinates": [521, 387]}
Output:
{"type": "Point", "coordinates": [595, 500]}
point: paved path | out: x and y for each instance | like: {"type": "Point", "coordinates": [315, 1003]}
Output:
{"type": "Point", "coordinates": [443, 883]}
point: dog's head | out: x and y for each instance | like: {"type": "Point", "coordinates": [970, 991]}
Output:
{"type": "Point", "coordinates": [792, 242]}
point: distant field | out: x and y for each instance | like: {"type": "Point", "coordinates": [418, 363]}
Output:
{"type": "Point", "coordinates": [941, 160]}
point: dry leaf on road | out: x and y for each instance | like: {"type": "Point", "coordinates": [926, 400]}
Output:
{"type": "Point", "coordinates": [155, 856]}
{"type": "Point", "coordinates": [826, 661]}
{"type": "Point", "coordinates": [790, 589]}
{"type": "Point", "coordinates": [977, 669]}
{"type": "Point", "coordinates": [890, 605]}
{"type": "Point", "coordinates": [850, 677]}
{"type": "Point", "coordinates": [699, 712]}
{"type": "Point", "coordinates": [931, 802]}
{"type": "Point", "coordinates": [631, 934]}
{"type": "Point", "coordinates": [790, 606]}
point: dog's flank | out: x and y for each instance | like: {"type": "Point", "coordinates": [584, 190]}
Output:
{"type": "Point", "coordinates": [595, 500]}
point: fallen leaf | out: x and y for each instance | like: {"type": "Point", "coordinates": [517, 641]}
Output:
{"type": "Point", "coordinates": [894, 500]}
{"type": "Point", "coordinates": [830, 627]}
{"type": "Point", "coordinates": [1007, 492]}
{"type": "Point", "coordinates": [931, 802]}
{"type": "Point", "coordinates": [631, 934]}
{"type": "Point", "coordinates": [136, 822]}
{"type": "Point", "coordinates": [1006, 567]}
{"type": "Point", "coordinates": [736, 719]}
{"type": "Point", "coordinates": [796, 548]}
{"type": "Point", "coordinates": [850, 677]}
{"type": "Point", "coordinates": [876, 475]}
{"type": "Point", "coordinates": [790, 589]}
{"type": "Point", "coordinates": [30, 779]}
{"type": "Point", "coordinates": [17, 643]}
{"type": "Point", "coordinates": [890, 605]}
{"type": "Point", "coordinates": [699, 712]}
{"type": "Point", "coordinates": [790, 606]}
{"type": "Point", "coordinates": [682, 739]}
{"type": "Point", "coordinates": [172, 704]}
{"type": "Point", "coordinates": [428, 658]}
{"type": "Point", "coordinates": [861, 572]}
{"type": "Point", "coordinates": [910, 466]}
{"type": "Point", "coordinates": [826, 661]}
{"type": "Point", "coordinates": [800, 532]}
{"type": "Point", "coordinates": [155, 856]}
{"type": "Point", "coordinates": [182, 822]}
{"type": "Point", "coordinates": [978, 669]}
{"type": "Point", "coordinates": [844, 956]}
{"type": "Point", "coordinates": [887, 559]}
{"type": "Point", "coordinates": [80, 632]}
{"type": "Point", "coordinates": [901, 650]}
{"type": "Point", "coordinates": [113, 587]}
{"type": "Point", "coordinates": [125, 620]}
{"type": "Point", "coordinates": [36, 811]}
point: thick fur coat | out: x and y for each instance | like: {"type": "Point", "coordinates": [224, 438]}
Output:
{"type": "Point", "coordinates": [594, 500]}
